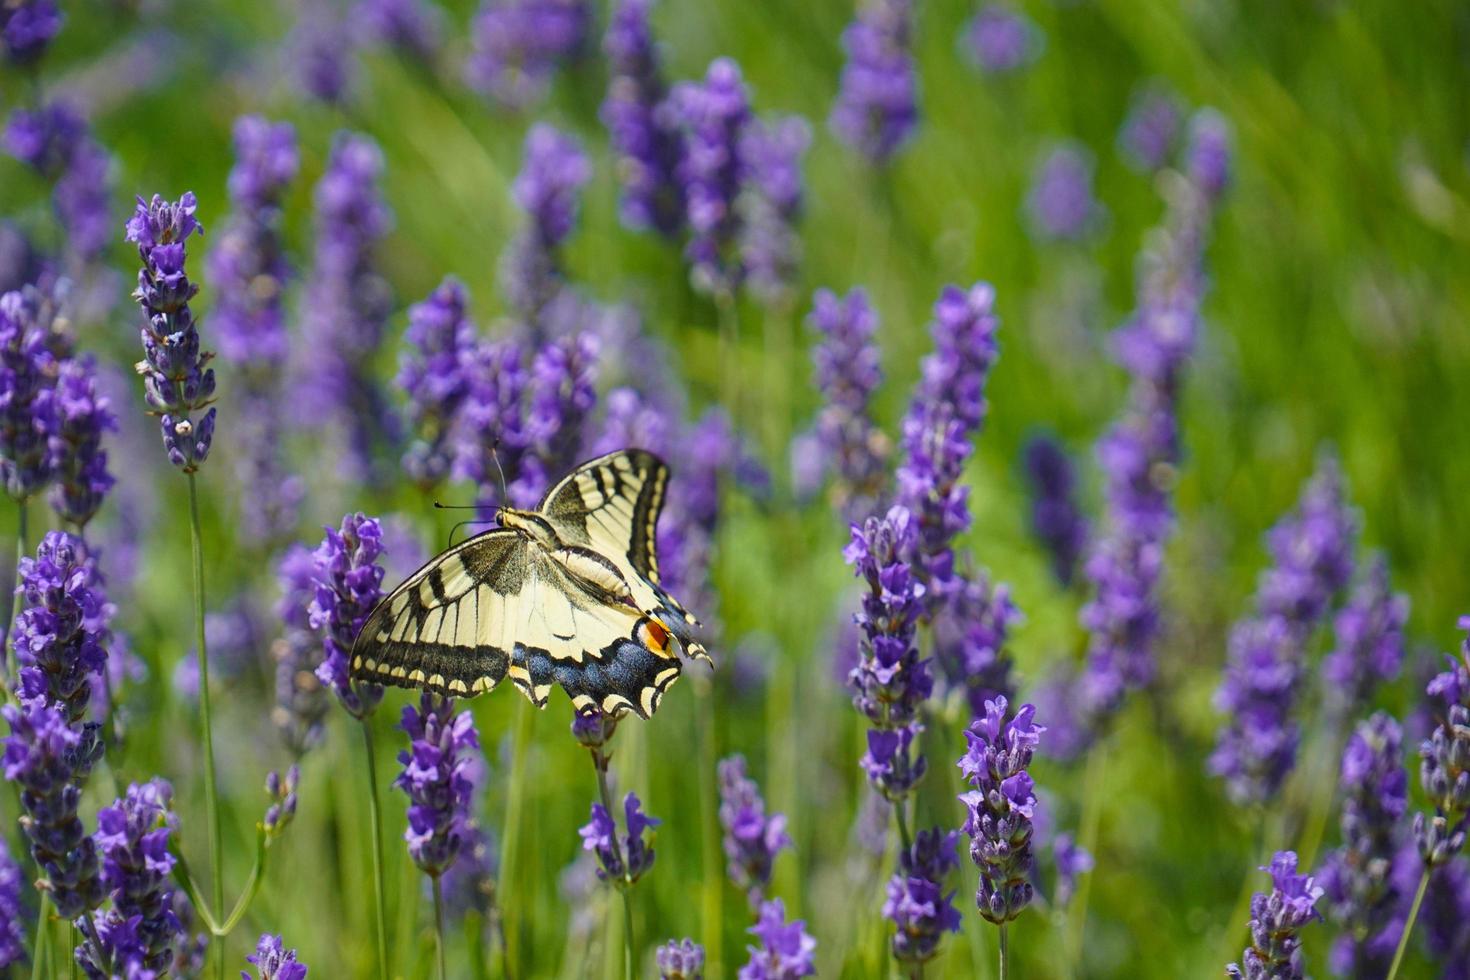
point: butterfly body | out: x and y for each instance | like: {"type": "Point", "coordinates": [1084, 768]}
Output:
{"type": "Point", "coordinates": [566, 594]}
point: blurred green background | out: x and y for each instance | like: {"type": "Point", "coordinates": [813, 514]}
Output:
{"type": "Point", "coordinates": [1335, 318]}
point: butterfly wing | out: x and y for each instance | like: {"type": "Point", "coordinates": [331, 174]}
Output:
{"type": "Point", "coordinates": [612, 505]}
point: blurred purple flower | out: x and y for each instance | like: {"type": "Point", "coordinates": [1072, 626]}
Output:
{"type": "Point", "coordinates": [623, 860]}
{"type": "Point", "coordinates": [917, 903]}
{"type": "Point", "coordinates": [1444, 763]}
{"type": "Point", "coordinates": [1150, 133]}
{"type": "Point", "coordinates": [348, 580]}
{"type": "Point", "coordinates": [772, 151]}
{"type": "Point", "coordinates": [1001, 806]}
{"type": "Point", "coordinates": [82, 415]}
{"type": "Point", "coordinates": [848, 372]}
{"type": "Point", "coordinates": [491, 436]}
{"type": "Point", "coordinates": [57, 635]}
{"type": "Point", "coordinates": [752, 840]}
{"type": "Point", "coordinates": [519, 45]}
{"type": "Point", "coordinates": [1060, 204]}
{"type": "Point", "coordinates": [177, 378]}
{"type": "Point", "coordinates": [562, 396]}
{"type": "Point", "coordinates": [547, 189]}
{"type": "Point", "coordinates": [1312, 562]}
{"type": "Point", "coordinates": [1369, 648]}
{"type": "Point", "coordinates": [28, 27]}
{"type": "Point", "coordinates": [48, 760]}
{"type": "Point", "coordinates": [1071, 860]}
{"type": "Point", "coordinates": [273, 961]}
{"type": "Point", "coordinates": [432, 373]}
{"type": "Point", "coordinates": [347, 315]}
{"type": "Point", "coordinates": [969, 641]}
{"type": "Point", "coordinates": [29, 415]}
{"type": "Point", "coordinates": [785, 952]}
{"type": "Point", "coordinates": [1208, 155]}
{"type": "Point", "coordinates": [137, 872]}
{"type": "Point", "coordinates": [714, 114]}
{"type": "Point", "coordinates": [234, 641]}
{"type": "Point", "coordinates": [12, 929]}
{"type": "Point", "coordinates": [322, 53]}
{"type": "Point", "coordinates": [1362, 897]}
{"type": "Point", "coordinates": [1001, 39]}
{"type": "Point", "coordinates": [680, 959]}
{"type": "Point", "coordinates": [1446, 918]}
{"type": "Point", "coordinates": [641, 124]}
{"type": "Point", "coordinates": [301, 698]}
{"type": "Point", "coordinates": [1276, 918]}
{"type": "Point", "coordinates": [411, 26]}
{"type": "Point", "coordinates": [1057, 520]}
{"type": "Point", "coordinates": [435, 777]}
{"type": "Point", "coordinates": [876, 109]}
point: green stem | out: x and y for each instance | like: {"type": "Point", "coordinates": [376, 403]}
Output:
{"type": "Point", "coordinates": [380, 911]}
{"type": "Point", "coordinates": [627, 934]}
{"type": "Point", "coordinates": [599, 763]}
{"type": "Point", "coordinates": [904, 837]}
{"type": "Point", "coordinates": [713, 873]}
{"type": "Point", "coordinates": [21, 550]}
{"type": "Point", "coordinates": [72, 959]}
{"type": "Point", "coordinates": [1091, 821]}
{"type": "Point", "coordinates": [1005, 952]}
{"type": "Point", "coordinates": [439, 926]}
{"type": "Point", "coordinates": [1398, 954]}
{"type": "Point", "coordinates": [211, 787]}
{"type": "Point", "coordinates": [510, 841]}
{"type": "Point", "coordinates": [43, 937]}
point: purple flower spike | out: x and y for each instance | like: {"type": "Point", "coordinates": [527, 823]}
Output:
{"type": "Point", "coordinates": [413, 27]}
{"type": "Point", "coordinates": [876, 109]}
{"type": "Point", "coordinates": [1363, 896]}
{"type": "Point", "coordinates": [1000, 39]}
{"type": "Point", "coordinates": [714, 114]}
{"type": "Point", "coordinates": [752, 840]}
{"type": "Point", "coordinates": [12, 930]}
{"type": "Point", "coordinates": [623, 860]}
{"type": "Point", "coordinates": [917, 903]}
{"type": "Point", "coordinates": [1370, 640]}
{"type": "Point", "coordinates": [137, 871]}
{"type": "Point", "coordinates": [1150, 134]}
{"type": "Point", "coordinates": [30, 417]}
{"type": "Point", "coordinates": [436, 778]}
{"type": "Point", "coordinates": [519, 45]}
{"type": "Point", "coordinates": [347, 579]}
{"type": "Point", "coordinates": [772, 204]}
{"type": "Point", "coordinates": [785, 952]}
{"type": "Point", "coordinates": [680, 959]}
{"type": "Point", "coordinates": [82, 415]}
{"type": "Point", "coordinates": [432, 372]}
{"type": "Point", "coordinates": [547, 189]}
{"type": "Point", "coordinates": [1061, 205]}
{"type": "Point", "coordinates": [58, 636]}
{"type": "Point", "coordinates": [1276, 918]}
{"type": "Point", "coordinates": [1056, 517]}
{"type": "Point", "coordinates": [641, 124]}
{"type": "Point", "coordinates": [1208, 153]}
{"type": "Point", "coordinates": [27, 27]}
{"type": "Point", "coordinates": [848, 372]}
{"type": "Point", "coordinates": [1001, 807]}
{"type": "Point", "coordinates": [1444, 763]}
{"type": "Point", "coordinates": [177, 378]}
{"type": "Point", "coordinates": [273, 961]}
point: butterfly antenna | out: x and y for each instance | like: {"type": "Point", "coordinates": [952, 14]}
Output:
{"type": "Point", "coordinates": [504, 492]}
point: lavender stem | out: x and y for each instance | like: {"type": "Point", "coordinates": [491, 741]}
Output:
{"type": "Point", "coordinates": [211, 788]}
{"type": "Point", "coordinates": [510, 841]}
{"type": "Point", "coordinates": [1398, 954]}
{"type": "Point", "coordinates": [439, 925]}
{"type": "Point", "coordinates": [599, 763]}
{"type": "Point", "coordinates": [43, 937]}
{"type": "Point", "coordinates": [713, 870]}
{"type": "Point", "coordinates": [1091, 819]}
{"type": "Point", "coordinates": [376, 819]}
{"type": "Point", "coordinates": [1005, 952]}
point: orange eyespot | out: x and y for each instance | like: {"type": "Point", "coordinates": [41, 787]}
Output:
{"type": "Point", "coordinates": [656, 637]}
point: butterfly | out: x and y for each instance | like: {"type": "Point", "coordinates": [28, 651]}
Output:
{"type": "Point", "coordinates": [567, 593]}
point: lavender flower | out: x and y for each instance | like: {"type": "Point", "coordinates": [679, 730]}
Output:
{"type": "Point", "coordinates": [346, 320]}
{"type": "Point", "coordinates": [752, 840]}
{"type": "Point", "coordinates": [562, 395]}
{"type": "Point", "coordinates": [1445, 912]}
{"type": "Point", "coordinates": [58, 632]}
{"type": "Point", "coordinates": [28, 411]}
{"type": "Point", "coordinates": [82, 415]}
{"type": "Point", "coordinates": [1444, 766]}
{"type": "Point", "coordinates": [1207, 155]}
{"type": "Point", "coordinates": [177, 378]}
{"type": "Point", "coordinates": [1362, 896]}
{"type": "Point", "coordinates": [519, 44]}
{"type": "Point", "coordinates": [491, 436]}
{"type": "Point", "coordinates": [1002, 805]}
{"type": "Point", "coordinates": [1001, 39]}
{"type": "Point", "coordinates": [917, 903]}
{"type": "Point", "coordinates": [876, 109]}
{"type": "Point", "coordinates": [273, 961]}
{"type": "Point", "coordinates": [848, 373]}
{"type": "Point", "coordinates": [1275, 950]}
{"type": "Point", "coordinates": [1060, 204]}
{"type": "Point", "coordinates": [132, 839]}
{"type": "Point", "coordinates": [714, 114]}
{"type": "Point", "coordinates": [680, 959]}
{"type": "Point", "coordinates": [641, 125]}
{"type": "Point", "coordinates": [301, 698]}
{"type": "Point", "coordinates": [349, 582]}
{"type": "Point", "coordinates": [322, 54]}
{"type": "Point", "coordinates": [411, 26]}
{"type": "Point", "coordinates": [49, 759]}
{"type": "Point", "coordinates": [1071, 860]}
{"type": "Point", "coordinates": [623, 860]}
{"type": "Point", "coordinates": [282, 793]}
{"type": "Point", "coordinates": [785, 952]}
{"type": "Point", "coordinates": [1312, 552]}
{"type": "Point", "coordinates": [1056, 518]}
{"type": "Point", "coordinates": [1151, 131]}
{"type": "Point", "coordinates": [969, 637]}
{"type": "Point", "coordinates": [432, 373]}
{"type": "Point", "coordinates": [1370, 641]}
{"type": "Point", "coordinates": [551, 180]}
{"type": "Point", "coordinates": [27, 28]}
{"type": "Point", "coordinates": [890, 681]}
{"type": "Point", "coordinates": [435, 778]}
{"type": "Point", "coordinates": [771, 203]}
{"type": "Point", "coordinates": [12, 930]}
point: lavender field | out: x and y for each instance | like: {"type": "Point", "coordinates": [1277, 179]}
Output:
{"type": "Point", "coordinates": [1064, 416]}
